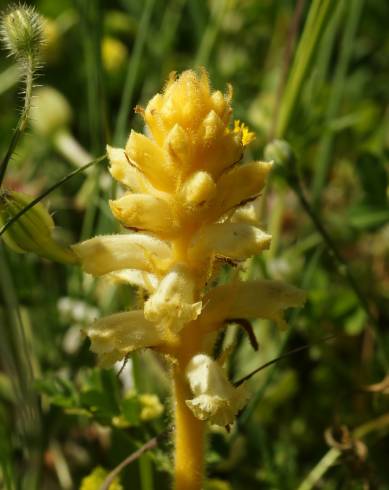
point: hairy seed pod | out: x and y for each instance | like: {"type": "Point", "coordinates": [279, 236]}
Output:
{"type": "Point", "coordinates": [21, 31]}
{"type": "Point", "coordinates": [32, 232]}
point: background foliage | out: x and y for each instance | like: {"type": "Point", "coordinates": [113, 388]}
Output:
{"type": "Point", "coordinates": [326, 93]}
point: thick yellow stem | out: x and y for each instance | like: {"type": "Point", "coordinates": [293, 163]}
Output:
{"type": "Point", "coordinates": [189, 440]}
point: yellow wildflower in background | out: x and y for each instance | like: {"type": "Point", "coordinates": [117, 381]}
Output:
{"type": "Point", "coordinates": [95, 480]}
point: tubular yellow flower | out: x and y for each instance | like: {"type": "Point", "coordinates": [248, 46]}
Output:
{"type": "Point", "coordinates": [216, 399]}
{"type": "Point", "coordinates": [190, 203]}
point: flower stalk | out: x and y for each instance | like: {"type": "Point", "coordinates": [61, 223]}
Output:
{"type": "Point", "coordinates": [21, 32]}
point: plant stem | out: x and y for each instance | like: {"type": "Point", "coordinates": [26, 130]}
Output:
{"type": "Point", "coordinates": [22, 122]}
{"type": "Point", "coordinates": [189, 439]}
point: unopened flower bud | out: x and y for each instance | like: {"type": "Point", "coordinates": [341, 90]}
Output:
{"type": "Point", "coordinates": [50, 111]}
{"type": "Point", "coordinates": [32, 231]}
{"type": "Point", "coordinates": [280, 152]}
{"type": "Point", "coordinates": [114, 54]}
{"type": "Point", "coordinates": [22, 31]}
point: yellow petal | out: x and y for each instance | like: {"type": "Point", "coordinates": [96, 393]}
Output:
{"type": "Point", "coordinates": [198, 189]}
{"type": "Point", "coordinates": [103, 254]}
{"type": "Point", "coordinates": [234, 240]}
{"type": "Point", "coordinates": [121, 170]}
{"type": "Point", "coordinates": [150, 159]}
{"type": "Point", "coordinates": [114, 336]}
{"type": "Point", "coordinates": [216, 149]}
{"type": "Point", "coordinates": [178, 146]}
{"type": "Point", "coordinates": [186, 100]}
{"type": "Point", "coordinates": [249, 300]}
{"type": "Point", "coordinates": [221, 105]}
{"type": "Point", "coordinates": [173, 302]}
{"type": "Point", "coordinates": [238, 185]}
{"type": "Point", "coordinates": [153, 118]}
{"type": "Point", "coordinates": [215, 398]}
{"type": "Point", "coordinates": [144, 212]}
{"type": "Point", "coordinates": [249, 213]}
{"type": "Point", "coordinates": [141, 279]}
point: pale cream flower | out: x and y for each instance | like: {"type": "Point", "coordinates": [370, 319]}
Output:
{"type": "Point", "coordinates": [103, 254]}
{"type": "Point", "coordinates": [113, 337]}
{"type": "Point", "coordinates": [249, 300]}
{"type": "Point", "coordinates": [215, 398]}
{"type": "Point", "coordinates": [173, 303]}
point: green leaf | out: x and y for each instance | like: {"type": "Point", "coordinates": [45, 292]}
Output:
{"type": "Point", "coordinates": [365, 217]}
{"type": "Point", "coordinates": [59, 391]}
{"type": "Point", "coordinates": [99, 403]}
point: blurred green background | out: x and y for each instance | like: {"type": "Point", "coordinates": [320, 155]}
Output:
{"type": "Point", "coordinates": [315, 73]}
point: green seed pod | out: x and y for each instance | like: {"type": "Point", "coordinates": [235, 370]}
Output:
{"type": "Point", "coordinates": [32, 232]}
{"type": "Point", "coordinates": [21, 30]}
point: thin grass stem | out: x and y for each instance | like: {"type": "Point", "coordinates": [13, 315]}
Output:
{"type": "Point", "coordinates": [49, 191]}
{"type": "Point", "coordinates": [316, 21]}
{"type": "Point", "coordinates": [132, 74]}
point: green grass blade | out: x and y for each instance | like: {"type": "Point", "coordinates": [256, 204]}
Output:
{"type": "Point", "coordinates": [354, 11]}
{"type": "Point", "coordinates": [318, 15]}
{"type": "Point", "coordinates": [121, 128]}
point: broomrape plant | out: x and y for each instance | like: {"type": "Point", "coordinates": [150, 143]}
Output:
{"type": "Point", "coordinates": [190, 205]}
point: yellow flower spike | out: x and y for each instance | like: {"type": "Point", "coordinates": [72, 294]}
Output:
{"type": "Point", "coordinates": [215, 398]}
{"type": "Point", "coordinates": [195, 201]}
